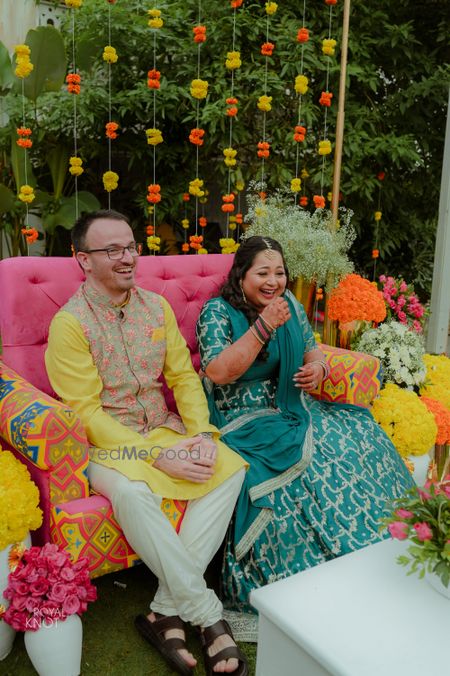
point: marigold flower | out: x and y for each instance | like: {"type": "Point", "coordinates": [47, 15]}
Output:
{"type": "Point", "coordinates": [150, 230]}
{"type": "Point", "coordinates": [110, 180]}
{"type": "Point", "coordinates": [196, 136]}
{"type": "Point", "coordinates": [185, 223]}
{"type": "Point", "coordinates": [328, 46]}
{"type": "Point", "coordinates": [319, 293]}
{"type": "Point", "coordinates": [263, 149]}
{"type": "Point", "coordinates": [202, 221]}
{"type": "Point", "coordinates": [236, 3]}
{"type": "Point", "coordinates": [331, 2]}
{"type": "Point", "coordinates": [155, 20]}
{"type": "Point", "coordinates": [375, 253]}
{"type": "Point", "coordinates": [110, 54]}
{"type": "Point", "coordinates": [31, 234]}
{"type": "Point", "coordinates": [233, 60]}
{"type": "Point", "coordinates": [232, 109]}
{"type": "Point", "coordinates": [377, 215]}
{"type": "Point", "coordinates": [23, 63]}
{"type": "Point", "coordinates": [154, 195]}
{"type": "Point", "coordinates": [195, 241]}
{"type": "Point", "coordinates": [73, 83]}
{"type": "Point", "coordinates": [195, 187]}
{"type": "Point", "coordinates": [228, 245]}
{"type": "Point", "coordinates": [299, 133]}
{"type": "Point", "coordinates": [303, 35]}
{"type": "Point", "coordinates": [324, 147]}
{"type": "Point", "coordinates": [264, 103]}
{"type": "Point", "coordinates": [230, 155]}
{"type": "Point", "coordinates": [154, 77]}
{"type": "Point", "coordinates": [186, 197]}
{"type": "Point", "coordinates": [239, 185]}
{"type": "Point", "coordinates": [319, 201]}
{"type": "Point", "coordinates": [26, 194]}
{"type": "Point", "coordinates": [199, 33]}
{"type": "Point", "coordinates": [153, 243]}
{"type": "Point", "coordinates": [202, 250]}
{"type": "Point", "coordinates": [296, 184]}
{"type": "Point", "coordinates": [304, 173]}
{"type": "Point", "coordinates": [271, 8]}
{"type": "Point", "coordinates": [154, 136]}
{"type": "Point", "coordinates": [111, 130]}
{"type": "Point", "coordinates": [303, 201]}
{"type": "Point", "coordinates": [21, 141]}
{"type": "Point", "coordinates": [76, 166]}
{"type": "Point", "coordinates": [228, 205]}
{"type": "Point", "coordinates": [75, 4]}
{"type": "Point", "coordinates": [267, 48]}
{"type": "Point", "coordinates": [381, 175]}
{"type": "Point", "coordinates": [356, 298]}
{"type": "Point", "coordinates": [185, 247]}
{"type": "Point", "coordinates": [325, 99]}
{"type": "Point", "coordinates": [199, 89]}
{"type": "Point", "coordinates": [301, 84]}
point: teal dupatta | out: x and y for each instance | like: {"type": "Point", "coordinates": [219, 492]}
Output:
{"type": "Point", "coordinates": [279, 438]}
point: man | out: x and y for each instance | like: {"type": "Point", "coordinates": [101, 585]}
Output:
{"type": "Point", "coordinates": [107, 347]}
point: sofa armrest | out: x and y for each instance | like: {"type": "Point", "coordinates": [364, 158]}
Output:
{"type": "Point", "coordinates": [47, 433]}
{"type": "Point", "coordinates": [354, 378]}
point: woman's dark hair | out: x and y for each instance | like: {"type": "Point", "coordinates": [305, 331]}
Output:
{"type": "Point", "coordinates": [84, 222]}
{"type": "Point", "coordinates": [243, 261]}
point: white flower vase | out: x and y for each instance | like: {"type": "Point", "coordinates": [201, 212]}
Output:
{"type": "Point", "coordinates": [55, 649]}
{"type": "Point", "coordinates": [437, 584]}
{"type": "Point", "coordinates": [7, 633]}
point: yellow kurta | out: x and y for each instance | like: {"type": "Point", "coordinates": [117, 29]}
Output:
{"type": "Point", "coordinates": [75, 378]}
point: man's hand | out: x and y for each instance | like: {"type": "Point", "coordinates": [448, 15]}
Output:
{"type": "Point", "coordinates": [192, 459]}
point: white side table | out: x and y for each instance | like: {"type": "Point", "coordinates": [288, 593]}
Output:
{"type": "Point", "coordinates": [358, 615]}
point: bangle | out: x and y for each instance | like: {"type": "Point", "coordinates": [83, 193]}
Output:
{"type": "Point", "coordinates": [251, 328]}
{"type": "Point", "coordinates": [325, 367]}
{"type": "Point", "coordinates": [266, 324]}
{"type": "Point", "coordinates": [262, 331]}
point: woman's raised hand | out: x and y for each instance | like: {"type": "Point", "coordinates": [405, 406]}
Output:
{"type": "Point", "coordinates": [276, 313]}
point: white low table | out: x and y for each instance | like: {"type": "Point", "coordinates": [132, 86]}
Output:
{"type": "Point", "coordinates": [358, 615]}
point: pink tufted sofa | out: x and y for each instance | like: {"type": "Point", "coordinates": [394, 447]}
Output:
{"type": "Point", "coordinates": [49, 438]}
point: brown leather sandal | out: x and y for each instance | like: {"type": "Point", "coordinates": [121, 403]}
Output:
{"type": "Point", "coordinates": [207, 637]}
{"type": "Point", "coordinates": [154, 632]}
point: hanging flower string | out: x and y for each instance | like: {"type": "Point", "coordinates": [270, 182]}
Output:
{"type": "Point", "coordinates": [110, 57]}
{"type": "Point", "coordinates": [265, 102]}
{"type": "Point", "coordinates": [199, 91]}
{"type": "Point", "coordinates": [301, 87]}
{"type": "Point", "coordinates": [324, 149]}
{"type": "Point", "coordinates": [26, 193]}
{"type": "Point", "coordinates": [377, 218]}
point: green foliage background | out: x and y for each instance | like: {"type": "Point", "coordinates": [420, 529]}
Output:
{"type": "Point", "coordinates": [398, 78]}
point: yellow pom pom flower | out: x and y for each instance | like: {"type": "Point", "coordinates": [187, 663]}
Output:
{"type": "Point", "coordinates": [110, 180]}
{"type": "Point", "coordinates": [199, 89]}
{"type": "Point", "coordinates": [23, 64]}
{"type": "Point", "coordinates": [324, 147]}
{"type": "Point", "coordinates": [26, 194]}
{"type": "Point", "coordinates": [240, 185]}
{"type": "Point", "coordinates": [230, 154]}
{"type": "Point", "coordinates": [74, 4]}
{"type": "Point", "coordinates": [155, 20]}
{"type": "Point", "coordinates": [76, 166]}
{"type": "Point", "coordinates": [264, 103]}
{"type": "Point", "coordinates": [271, 8]}
{"type": "Point", "coordinates": [110, 54]}
{"type": "Point", "coordinates": [328, 46]}
{"type": "Point", "coordinates": [185, 223]}
{"type": "Point", "coordinates": [301, 84]}
{"type": "Point", "coordinates": [296, 185]}
{"type": "Point", "coordinates": [154, 137]}
{"type": "Point", "coordinates": [202, 250]}
{"type": "Point", "coordinates": [153, 243]}
{"type": "Point", "coordinates": [378, 215]}
{"type": "Point", "coordinates": [233, 60]}
{"type": "Point", "coordinates": [195, 187]}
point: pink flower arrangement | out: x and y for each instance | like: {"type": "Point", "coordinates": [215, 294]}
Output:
{"type": "Point", "coordinates": [45, 587]}
{"type": "Point", "coordinates": [423, 517]}
{"type": "Point", "coordinates": [402, 303]}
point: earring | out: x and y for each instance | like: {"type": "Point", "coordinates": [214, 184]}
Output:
{"type": "Point", "coordinates": [244, 297]}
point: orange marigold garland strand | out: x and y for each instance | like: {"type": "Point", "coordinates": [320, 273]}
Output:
{"type": "Point", "coordinates": [301, 87]}
{"type": "Point", "coordinates": [26, 193]}
{"type": "Point", "coordinates": [110, 56]}
{"type": "Point", "coordinates": [265, 101]}
{"type": "Point", "coordinates": [73, 80]}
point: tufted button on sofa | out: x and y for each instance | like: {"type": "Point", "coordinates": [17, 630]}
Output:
{"type": "Point", "coordinates": [47, 435]}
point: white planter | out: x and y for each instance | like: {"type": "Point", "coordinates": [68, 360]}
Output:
{"type": "Point", "coordinates": [436, 582]}
{"type": "Point", "coordinates": [7, 633]}
{"type": "Point", "coordinates": [55, 649]}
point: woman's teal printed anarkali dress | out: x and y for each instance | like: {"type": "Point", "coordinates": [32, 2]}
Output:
{"type": "Point", "coordinates": [321, 475]}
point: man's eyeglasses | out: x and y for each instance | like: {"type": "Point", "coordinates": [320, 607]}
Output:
{"type": "Point", "coordinates": [115, 253]}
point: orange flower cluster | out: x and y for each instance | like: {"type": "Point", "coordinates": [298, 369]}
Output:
{"type": "Point", "coordinates": [303, 35]}
{"type": "Point", "coordinates": [263, 149]}
{"type": "Point", "coordinates": [375, 253]}
{"type": "Point", "coordinates": [319, 293]}
{"type": "Point", "coordinates": [232, 109]}
{"type": "Point", "coordinates": [299, 133]}
{"type": "Point", "coordinates": [186, 197]}
{"type": "Point", "coordinates": [325, 99]}
{"type": "Point", "coordinates": [442, 417]}
{"type": "Point", "coordinates": [355, 298]}
{"type": "Point", "coordinates": [73, 83]}
{"type": "Point", "coordinates": [154, 193]}
{"type": "Point", "coordinates": [185, 247]}
{"type": "Point", "coordinates": [24, 141]}
{"type": "Point", "coordinates": [303, 201]}
{"type": "Point", "coordinates": [239, 219]}
{"type": "Point", "coordinates": [236, 3]}
{"type": "Point", "coordinates": [319, 201]}
{"type": "Point", "coordinates": [228, 203]}
{"type": "Point", "coordinates": [111, 130]}
{"type": "Point", "coordinates": [31, 234]}
{"type": "Point", "coordinates": [331, 2]}
{"type": "Point", "coordinates": [150, 230]}
{"type": "Point", "coordinates": [195, 241]}
{"type": "Point", "coordinates": [196, 136]}
{"type": "Point", "coordinates": [267, 48]}
{"type": "Point", "coordinates": [202, 222]}
{"type": "Point", "coordinates": [153, 79]}
{"type": "Point", "coordinates": [199, 33]}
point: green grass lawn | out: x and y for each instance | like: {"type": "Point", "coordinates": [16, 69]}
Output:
{"type": "Point", "coordinates": [111, 645]}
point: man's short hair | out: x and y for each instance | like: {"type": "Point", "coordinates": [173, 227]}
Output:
{"type": "Point", "coordinates": [84, 222]}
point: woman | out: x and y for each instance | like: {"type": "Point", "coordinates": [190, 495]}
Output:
{"type": "Point", "coordinates": [320, 474]}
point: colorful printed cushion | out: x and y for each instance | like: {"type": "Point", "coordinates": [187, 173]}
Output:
{"type": "Point", "coordinates": [354, 378]}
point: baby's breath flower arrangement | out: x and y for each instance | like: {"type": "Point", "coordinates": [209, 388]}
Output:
{"type": "Point", "coordinates": [19, 511]}
{"type": "Point", "coordinates": [437, 381]}
{"type": "Point", "coordinates": [310, 248]}
{"type": "Point", "coordinates": [405, 419]}
{"type": "Point", "coordinates": [400, 351]}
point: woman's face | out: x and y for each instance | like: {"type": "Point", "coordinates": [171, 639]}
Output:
{"type": "Point", "coordinates": [265, 280]}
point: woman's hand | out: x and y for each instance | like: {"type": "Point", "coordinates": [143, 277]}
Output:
{"type": "Point", "coordinates": [276, 313]}
{"type": "Point", "coordinates": [309, 376]}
